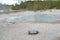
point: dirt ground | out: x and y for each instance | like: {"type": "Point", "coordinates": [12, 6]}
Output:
{"type": "Point", "coordinates": [19, 31]}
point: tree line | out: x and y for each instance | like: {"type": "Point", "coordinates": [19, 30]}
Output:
{"type": "Point", "coordinates": [36, 5]}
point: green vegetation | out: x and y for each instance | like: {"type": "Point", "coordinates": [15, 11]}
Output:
{"type": "Point", "coordinates": [37, 5]}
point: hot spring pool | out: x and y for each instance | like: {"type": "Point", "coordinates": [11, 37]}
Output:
{"type": "Point", "coordinates": [33, 17]}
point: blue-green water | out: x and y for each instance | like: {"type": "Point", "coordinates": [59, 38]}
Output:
{"type": "Point", "coordinates": [33, 17]}
{"type": "Point", "coordinates": [38, 17]}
